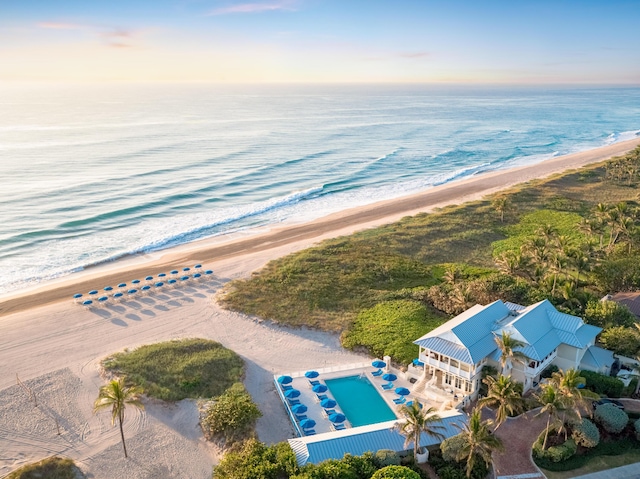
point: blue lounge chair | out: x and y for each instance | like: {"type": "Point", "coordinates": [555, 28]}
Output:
{"type": "Point", "coordinates": [300, 417]}
{"type": "Point", "coordinates": [321, 397]}
{"type": "Point", "coordinates": [338, 427]}
{"type": "Point", "coordinates": [313, 382]}
{"type": "Point", "coordinates": [309, 432]}
{"type": "Point", "coordinates": [400, 400]}
{"type": "Point", "coordinates": [328, 412]}
{"type": "Point", "coordinates": [286, 387]}
{"type": "Point", "coordinates": [293, 402]}
{"type": "Point", "coordinates": [377, 373]}
{"type": "Point", "coordinates": [388, 386]}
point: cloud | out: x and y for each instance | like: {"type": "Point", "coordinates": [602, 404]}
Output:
{"type": "Point", "coordinates": [115, 37]}
{"type": "Point", "coordinates": [118, 38]}
{"type": "Point", "coordinates": [61, 26]}
{"type": "Point", "coordinates": [413, 55]}
{"type": "Point", "coordinates": [282, 5]}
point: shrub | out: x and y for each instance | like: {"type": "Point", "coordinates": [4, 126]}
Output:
{"type": "Point", "coordinates": [606, 314]}
{"type": "Point", "coordinates": [618, 274]}
{"type": "Point", "coordinates": [636, 427]}
{"type": "Point", "coordinates": [612, 419]}
{"type": "Point", "coordinates": [363, 466]}
{"type": "Point", "coordinates": [395, 472]}
{"type": "Point", "coordinates": [254, 459]}
{"type": "Point", "coordinates": [554, 453]}
{"type": "Point", "coordinates": [176, 370]}
{"type": "Point", "coordinates": [621, 340]}
{"type": "Point", "coordinates": [586, 434]}
{"type": "Point", "coordinates": [602, 384]}
{"type": "Point", "coordinates": [451, 447]}
{"type": "Point", "coordinates": [232, 415]}
{"type": "Point", "coordinates": [52, 467]}
{"type": "Point", "coordinates": [331, 469]}
{"type": "Point", "coordinates": [548, 371]}
{"type": "Point", "coordinates": [389, 328]}
{"type": "Point", "coordinates": [386, 457]}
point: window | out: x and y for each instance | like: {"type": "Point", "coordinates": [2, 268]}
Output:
{"type": "Point", "coordinates": [454, 363]}
{"type": "Point", "coordinates": [433, 355]}
{"type": "Point", "coordinates": [447, 378]}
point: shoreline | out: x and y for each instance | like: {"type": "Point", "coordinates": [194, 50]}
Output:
{"type": "Point", "coordinates": [252, 249]}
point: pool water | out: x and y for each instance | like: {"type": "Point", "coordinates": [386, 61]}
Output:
{"type": "Point", "coordinates": [359, 400]}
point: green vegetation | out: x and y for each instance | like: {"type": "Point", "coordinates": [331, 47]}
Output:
{"type": "Point", "coordinates": [571, 239]}
{"type": "Point", "coordinates": [179, 369]}
{"type": "Point", "coordinates": [602, 384]}
{"type": "Point", "coordinates": [384, 329]}
{"type": "Point", "coordinates": [232, 415]}
{"type": "Point", "coordinates": [586, 433]}
{"type": "Point", "coordinates": [612, 419]}
{"type": "Point", "coordinates": [50, 468]}
{"type": "Point", "coordinates": [395, 472]}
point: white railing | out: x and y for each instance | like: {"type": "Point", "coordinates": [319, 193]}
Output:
{"type": "Point", "coordinates": [330, 369]}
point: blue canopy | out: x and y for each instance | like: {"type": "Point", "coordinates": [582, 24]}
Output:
{"type": "Point", "coordinates": [135, 281]}
{"type": "Point", "coordinates": [87, 302]}
{"type": "Point", "coordinates": [93, 291]}
{"type": "Point", "coordinates": [291, 393]}
{"type": "Point", "coordinates": [171, 281]}
{"type": "Point", "coordinates": [307, 423]}
{"type": "Point", "coordinates": [208, 272]}
{"type": "Point", "coordinates": [77, 295]}
{"type": "Point", "coordinates": [319, 388]}
{"type": "Point", "coordinates": [197, 275]}
{"type": "Point", "coordinates": [102, 298]}
{"type": "Point", "coordinates": [146, 288]}
{"type": "Point", "coordinates": [337, 417]}
{"type": "Point", "coordinates": [117, 295]}
{"type": "Point", "coordinates": [108, 288]}
{"type": "Point", "coordinates": [378, 364]}
{"type": "Point", "coordinates": [389, 377]}
{"type": "Point", "coordinates": [158, 284]}
{"type": "Point", "coordinates": [328, 403]}
{"type": "Point", "coordinates": [148, 278]}
{"type": "Point", "coordinates": [299, 408]}
{"type": "Point", "coordinates": [402, 391]}
{"type": "Point", "coordinates": [198, 266]}
{"type": "Point", "coordinates": [312, 374]}
{"type": "Point", "coordinates": [175, 271]}
{"type": "Point", "coordinates": [186, 269]}
{"type": "Point", "coordinates": [122, 285]}
{"type": "Point", "coordinates": [184, 278]}
{"type": "Point", "coordinates": [162, 275]}
{"type": "Point", "coordinates": [132, 291]}
{"type": "Point", "coordinates": [285, 379]}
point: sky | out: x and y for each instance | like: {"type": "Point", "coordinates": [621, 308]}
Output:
{"type": "Point", "coordinates": [320, 41]}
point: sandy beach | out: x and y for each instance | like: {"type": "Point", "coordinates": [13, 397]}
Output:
{"type": "Point", "coordinates": [56, 346]}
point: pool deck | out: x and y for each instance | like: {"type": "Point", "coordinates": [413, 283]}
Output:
{"type": "Point", "coordinates": [315, 411]}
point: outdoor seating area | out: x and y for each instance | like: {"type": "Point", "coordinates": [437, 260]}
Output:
{"type": "Point", "coordinates": [136, 288]}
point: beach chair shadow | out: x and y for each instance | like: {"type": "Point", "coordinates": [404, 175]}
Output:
{"type": "Point", "coordinates": [161, 307]}
{"type": "Point", "coordinates": [119, 322]}
{"type": "Point", "coordinates": [102, 313]}
{"type": "Point", "coordinates": [133, 317]}
{"type": "Point", "coordinates": [148, 312]}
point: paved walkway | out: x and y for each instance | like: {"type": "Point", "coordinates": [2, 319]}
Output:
{"type": "Point", "coordinates": [630, 471]}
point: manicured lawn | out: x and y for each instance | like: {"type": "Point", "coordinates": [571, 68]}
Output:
{"type": "Point", "coordinates": [175, 370]}
{"type": "Point", "coordinates": [595, 464]}
{"type": "Point", "coordinates": [50, 468]}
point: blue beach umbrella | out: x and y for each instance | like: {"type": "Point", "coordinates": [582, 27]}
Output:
{"type": "Point", "coordinates": [172, 281]}
{"type": "Point", "coordinates": [132, 291]}
{"type": "Point", "coordinates": [389, 377]}
{"type": "Point", "coordinates": [135, 281]}
{"type": "Point", "coordinates": [186, 269]}
{"type": "Point", "coordinates": [175, 271]}
{"type": "Point", "coordinates": [402, 391]}
{"type": "Point", "coordinates": [162, 275]}
{"type": "Point", "coordinates": [77, 296]}
{"type": "Point", "coordinates": [198, 266]}
{"type": "Point", "coordinates": [285, 379]}
{"type": "Point", "coordinates": [122, 285]}
{"type": "Point", "coordinates": [148, 278]}
{"type": "Point", "coordinates": [118, 295]}
{"type": "Point", "coordinates": [337, 417]}
{"type": "Point", "coordinates": [93, 292]}
{"type": "Point", "coordinates": [108, 288]}
{"type": "Point", "coordinates": [184, 278]}
{"type": "Point", "coordinates": [307, 423]}
{"type": "Point", "coordinates": [208, 272]}
{"type": "Point", "coordinates": [159, 284]}
{"type": "Point", "coordinates": [197, 275]}
{"type": "Point", "coordinates": [146, 288]}
{"type": "Point", "coordinates": [102, 299]}
{"type": "Point", "coordinates": [87, 302]}
{"type": "Point", "coordinates": [291, 393]}
{"type": "Point", "coordinates": [312, 374]}
{"type": "Point", "coordinates": [378, 364]}
{"type": "Point", "coordinates": [328, 403]}
{"type": "Point", "coordinates": [319, 388]}
{"type": "Point", "coordinates": [299, 408]}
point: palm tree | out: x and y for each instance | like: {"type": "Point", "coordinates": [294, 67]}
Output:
{"type": "Point", "coordinates": [416, 421]}
{"type": "Point", "coordinates": [503, 395]}
{"type": "Point", "coordinates": [478, 441]}
{"type": "Point", "coordinates": [507, 346]}
{"type": "Point", "coordinates": [501, 204]}
{"type": "Point", "coordinates": [117, 396]}
{"type": "Point", "coordinates": [568, 383]}
{"type": "Point", "coordinates": [554, 404]}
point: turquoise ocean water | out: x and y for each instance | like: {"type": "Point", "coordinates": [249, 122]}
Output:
{"type": "Point", "coordinates": [91, 174]}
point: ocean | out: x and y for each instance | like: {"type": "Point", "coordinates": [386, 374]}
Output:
{"type": "Point", "coordinates": [94, 173]}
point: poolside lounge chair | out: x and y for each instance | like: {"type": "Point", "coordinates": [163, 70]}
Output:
{"type": "Point", "coordinates": [300, 417]}
{"type": "Point", "coordinates": [309, 432]}
{"type": "Point", "coordinates": [377, 373]}
{"type": "Point", "coordinates": [320, 397]}
{"type": "Point", "coordinates": [388, 386]}
{"type": "Point", "coordinates": [293, 402]}
{"type": "Point", "coordinates": [286, 387]}
{"type": "Point", "coordinates": [328, 412]}
{"type": "Point", "coordinates": [400, 400]}
{"type": "Point", "coordinates": [338, 427]}
{"type": "Point", "coordinates": [313, 382]}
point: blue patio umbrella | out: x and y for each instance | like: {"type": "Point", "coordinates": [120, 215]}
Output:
{"type": "Point", "coordinates": [186, 269]}
{"type": "Point", "coordinates": [87, 302]}
{"type": "Point", "coordinates": [337, 417]}
{"type": "Point", "coordinates": [291, 393]}
{"type": "Point", "coordinates": [93, 291]}
{"type": "Point", "coordinates": [159, 284]}
{"type": "Point", "coordinates": [132, 291]}
{"type": "Point", "coordinates": [175, 271]}
{"type": "Point", "coordinates": [208, 272]}
{"type": "Point", "coordinates": [299, 408]}
{"type": "Point", "coordinates": [198, 266]}
{"type": "Point", "coordinates": [162, 275]}
{"type": "Point", "coordinates": [148, 278]}
{"type": "Point", "coordinates": [77, 295]}
{"type": "Point", "coordinates": [307, 423]}
{"type": "Point", "coordinates": [197, 275]}
{"type": "Point", "coordinates": [285, 379]}
{"type": "Point", "coordinates": [118, 295]}
{"type": "Point", "coordinates": [108, 288]}
{"type": "Point", "coordinates": [102, 299]}
{"type": "Point", "coordinates": [122, 285]}
{"type": "Point", "coordinates": [389, 377]}
{"type": "Point", "coordinates": [312, 374]}
{"type": "Point", "coordinates": [146, 288]}
{"type": "Point", "coordinates": [410, 403]}
{"type": "Point", "coordinates": [402, 391]}
{"type": "Point", "coordinates": [378, 364]}
{"type": "Point", "coordinates": [319, 388]}
{"type": "Point", "coordinates": [135, 281]}
{"type": "Point", "coordinates": [172, 281]}
{"type": "Point", "coordinates": [328, 403]}
{"type": "Point", "coordinates": [184, 278]}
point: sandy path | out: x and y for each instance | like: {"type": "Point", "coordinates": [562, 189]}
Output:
{"type": "Point", "coordinates": [56, 351]}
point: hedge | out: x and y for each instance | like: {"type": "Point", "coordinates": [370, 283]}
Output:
{"type": "Point", "coordinates": [612, 419]}
{"type": "Point", "coordinates": [601, 384]}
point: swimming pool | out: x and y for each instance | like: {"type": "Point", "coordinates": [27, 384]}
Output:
{"type": "Point", "coordinates": [359, 400]}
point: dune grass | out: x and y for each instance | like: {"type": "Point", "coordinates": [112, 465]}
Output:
{"type": "Point", "coordinates": [327, 286]}
{"type": "Point", "coordinates": [175, 370]}
{"type": "Point", "coordinates": [50, 468]}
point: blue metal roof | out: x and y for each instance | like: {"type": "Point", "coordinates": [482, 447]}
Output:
{"type": "Point", "coordinates": [446, 348]}
{"type": "Point", "coordinates": [563, 321]}
{"type": "Point", "coordinates": [541, 348]}
{"type": "Point", "coordinates": [513, 306]}
{"type": "Point", "coordinates": [316, 449]}
{"type": "Point", "coordinates": [482, 348]}
{"type": "Point", "coordinates": [533, 322]}
{"type": "Point", "coordinates": [480, 324]}
{"type": "Point", "coordinates": [587, 334]}
{"type": "Point", "coordinates": [596, 358]}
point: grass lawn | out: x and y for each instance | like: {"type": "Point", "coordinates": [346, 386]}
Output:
{"type": "Point", "coordinates": [50, 468]}
{"type": "Point", "coordinates": [175, 370]}
{"type": "Point", "coordinates": [595, 464]}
